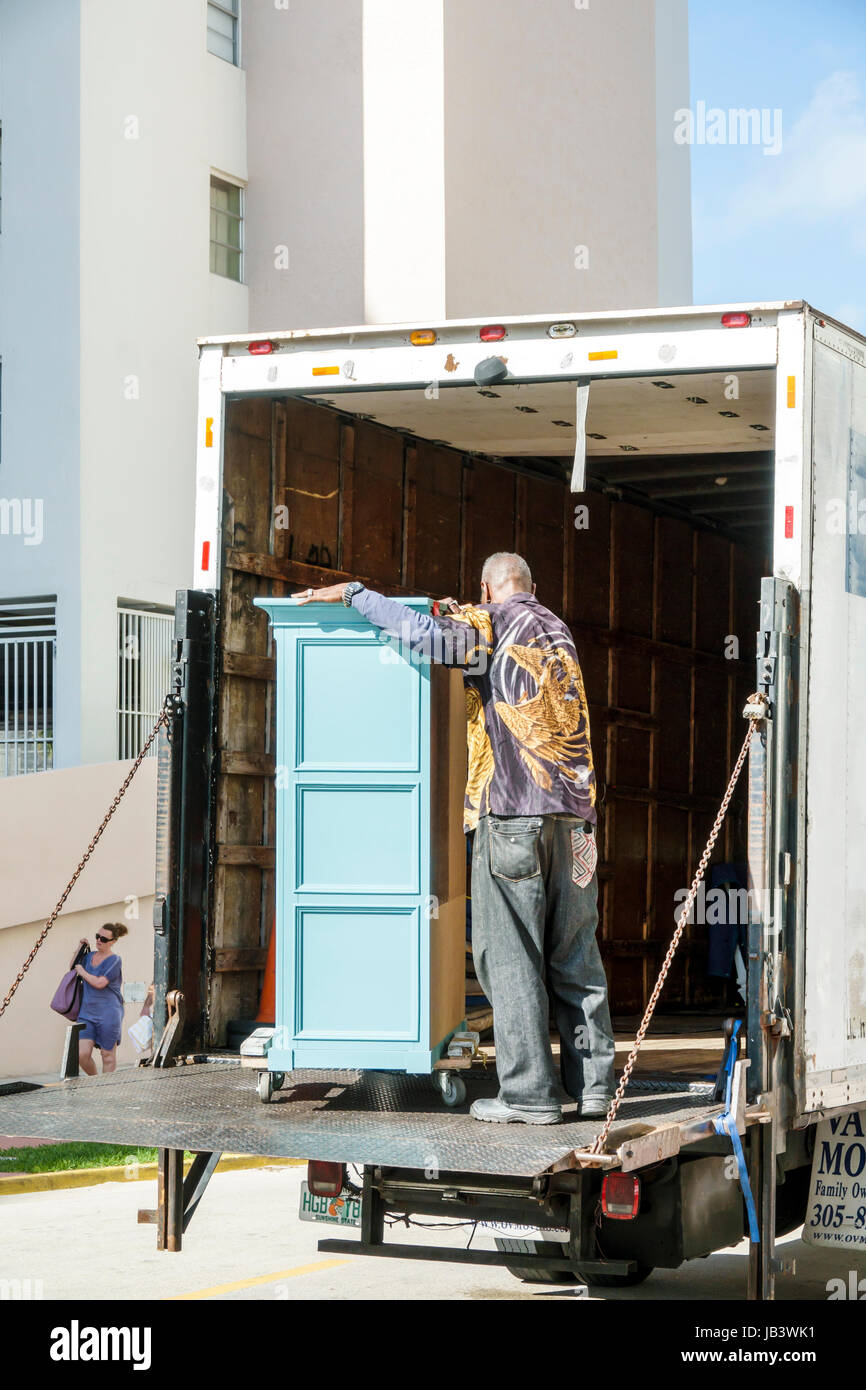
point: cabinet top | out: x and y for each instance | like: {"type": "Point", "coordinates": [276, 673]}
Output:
{"type": "Point", "coordinates": [291, 612]}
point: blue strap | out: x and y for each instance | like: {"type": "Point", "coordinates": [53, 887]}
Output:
{"type": "Point", "coordinates": [725, 1124]}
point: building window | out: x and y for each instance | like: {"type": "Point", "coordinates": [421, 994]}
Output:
{"type": "Point", "coordinates": [223, 29]}
{"type": "Point", "coordinates": [144, 652]}
{"type": "Point", "coordinates": [28, 645]}
{"type": "Point", "coordinates": [226, 228]}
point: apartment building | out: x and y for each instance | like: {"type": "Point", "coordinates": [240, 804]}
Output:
{"type": "Point", "coordinates": [171, 169]}
{"type": "Point", "coordinates": [175, 168]}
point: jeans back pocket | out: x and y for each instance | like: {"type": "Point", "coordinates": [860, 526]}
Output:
{"type": "Point", "coordinates": [584, 857]}
{"type": "Point", "coordinates": [514, 847]}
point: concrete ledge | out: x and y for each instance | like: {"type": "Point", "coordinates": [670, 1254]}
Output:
{"type": "Point", "coordinates": [17, 1183]}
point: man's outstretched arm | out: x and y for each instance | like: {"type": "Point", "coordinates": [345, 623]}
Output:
{"type": "Point", "coordinates": [448, 642]}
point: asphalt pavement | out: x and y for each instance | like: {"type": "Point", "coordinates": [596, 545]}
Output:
{"type": "Point", "coordinates": [246, 1242]}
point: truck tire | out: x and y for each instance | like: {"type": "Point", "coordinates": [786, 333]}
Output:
{"type": "Point", "coordinates": [617, 1281]}
{"type": "Point", "coordinates": [527, 1273]}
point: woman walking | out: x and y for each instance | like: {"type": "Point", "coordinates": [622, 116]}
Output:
{"type": "Point", "coordinates": [101, 1009]}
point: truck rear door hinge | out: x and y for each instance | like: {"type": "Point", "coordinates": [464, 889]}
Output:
{"type": "Point", "coordinates": [160, 914]}
{"type": "Point", "coordinates": [784, 868]}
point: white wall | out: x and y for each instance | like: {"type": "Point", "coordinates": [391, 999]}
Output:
{"type": "Point", "coordinates": [39, 321]}
{"type": "Point", "coordinates": [158, 112]}
{"type": "Point", "coordinates": [673, 162]}
{"type": "Point", "coordinates": [405, 242]}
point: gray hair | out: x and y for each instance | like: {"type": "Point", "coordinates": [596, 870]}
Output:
{"type": "Point", "coordinates": [506, 568]}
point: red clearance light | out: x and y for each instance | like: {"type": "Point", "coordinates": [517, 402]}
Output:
{"type": "Point", "coordinates": [789, 523]}
{"type": "Point", "coordinates": [205, 555]}
{"type": "Point", "coordinates": [493, 333]}
{"type": "Point", "coordinates": [620, 1196]}
{"type": "Point", "coordinates": [326, 1179]}
{"type": "Point", "coordinates": [736, 320]}
{"type": "Point", "coordinates": [260, 348]}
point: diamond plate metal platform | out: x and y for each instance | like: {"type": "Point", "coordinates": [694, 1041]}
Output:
{"type": "Point", "coordinates": [371, 1117]}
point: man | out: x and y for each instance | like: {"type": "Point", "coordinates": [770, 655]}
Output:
{"type": "Point", "coordinates": [530, 798]}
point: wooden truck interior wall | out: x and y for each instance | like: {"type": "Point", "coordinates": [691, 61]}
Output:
{"type": "Point", "coordinates": [313, 496]}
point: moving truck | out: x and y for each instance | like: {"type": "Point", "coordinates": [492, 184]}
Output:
{"type": "Point", "coordinates": [689, 489]}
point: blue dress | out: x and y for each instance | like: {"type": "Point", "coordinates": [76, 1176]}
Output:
{"type": "Point", "coordinates": [101, 1010]}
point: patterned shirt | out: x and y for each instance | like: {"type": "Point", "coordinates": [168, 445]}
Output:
{"type": "Point", "coordinates": [527, 717]}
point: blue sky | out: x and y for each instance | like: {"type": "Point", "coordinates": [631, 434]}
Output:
{"type": "Point", "coordinates": [790, 225]}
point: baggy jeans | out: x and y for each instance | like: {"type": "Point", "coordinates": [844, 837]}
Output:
{"type": "Point", "coordinates": [533, 943]}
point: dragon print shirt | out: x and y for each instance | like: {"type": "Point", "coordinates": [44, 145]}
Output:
{"type": "Point", "coordinates": [527, 717]}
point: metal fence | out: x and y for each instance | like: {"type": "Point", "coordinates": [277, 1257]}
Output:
{"type": "Point", "coordinates": [27, 655]}
{"type": "Point", "coordinates": [144, 649]}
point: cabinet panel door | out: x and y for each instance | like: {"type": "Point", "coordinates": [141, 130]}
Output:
{"type": "Point", "coordinates": [357, 973]}
{"type": "Point", "coordinates": [357, 839]}
{"type": "Point", "coordinates": [358, 706]}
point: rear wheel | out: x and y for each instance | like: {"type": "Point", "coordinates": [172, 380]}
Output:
{"type": "Point", "coordinates": [617, 1281]}
{"type": "Point", "coordinates": [528, 1273]}
{"type": "Point", "coordinates": [531, 1275]}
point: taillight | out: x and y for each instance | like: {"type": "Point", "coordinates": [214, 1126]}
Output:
{"type": "Point", "coordinates": [736, 320]}
{"type": "Point", "coordinates": [422, 337]}
{"type": "Point", "coordinates": [260, 348]}
{"type": "Point", "coordinates": [561, 330]}
{"type": "Point", "coordinates": [326, 1179]}
{"type": "Point", "coordinates": [620, 1196]}
{"type": "Point", "coordinates": [493, 333]}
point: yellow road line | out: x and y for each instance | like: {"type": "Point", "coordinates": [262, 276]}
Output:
{"type": "Point", "coordinates": [259, 1279]}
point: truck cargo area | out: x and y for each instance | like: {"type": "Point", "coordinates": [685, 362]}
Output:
{"type": "Point", "coordinates": [661, 473]}
{"type": "Point", "coordinates": [656, 567]}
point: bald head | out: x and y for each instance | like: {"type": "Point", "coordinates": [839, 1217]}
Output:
{"type": "Point", "coordinates": [504, 574]}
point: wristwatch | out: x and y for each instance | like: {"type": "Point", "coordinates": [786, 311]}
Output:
{"type": "Point", "coordinates": [350, 590]}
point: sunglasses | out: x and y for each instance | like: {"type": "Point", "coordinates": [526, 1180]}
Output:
{"type": "Point", "coordinates": [103, 938]}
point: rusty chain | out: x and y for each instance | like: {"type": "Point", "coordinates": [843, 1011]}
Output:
{"type": "Point", "coordinates": [164, 718]}
{"type": "Point", "coordinates": [757, 703]}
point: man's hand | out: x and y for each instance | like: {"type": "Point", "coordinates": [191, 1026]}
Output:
{"type": "Point", "coordinates": [332, 594]}
{"type": "Point", "coordinates": [449, 605]}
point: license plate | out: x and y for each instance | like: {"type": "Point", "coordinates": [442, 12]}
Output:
{"type": "Point", "coordinates": [506, 1230]}
{"type": "Point", "coordinates": [344, 1210]}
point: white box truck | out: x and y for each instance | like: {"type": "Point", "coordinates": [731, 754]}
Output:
{"type": "Point", "coordinates": [689, 486]}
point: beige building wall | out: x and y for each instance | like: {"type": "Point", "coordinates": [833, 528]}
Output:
{"type": "Point", "coordinates": [305, 136]}
{"type": "Point", "coordinates": [550, 147]}
{"type": "Point", "coordinates": [55, 814]}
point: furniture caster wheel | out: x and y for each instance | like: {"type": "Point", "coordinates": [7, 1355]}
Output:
{"type": "Point", "coordinates": [279, 1079]}
{"type": "Point", "coordinates": [265, 1085]}
{"type": "Point", "coordinates": [451, 1088]}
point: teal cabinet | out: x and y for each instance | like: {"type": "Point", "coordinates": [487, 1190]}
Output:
{"type": "Point", "coordinates": [370, 864]}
